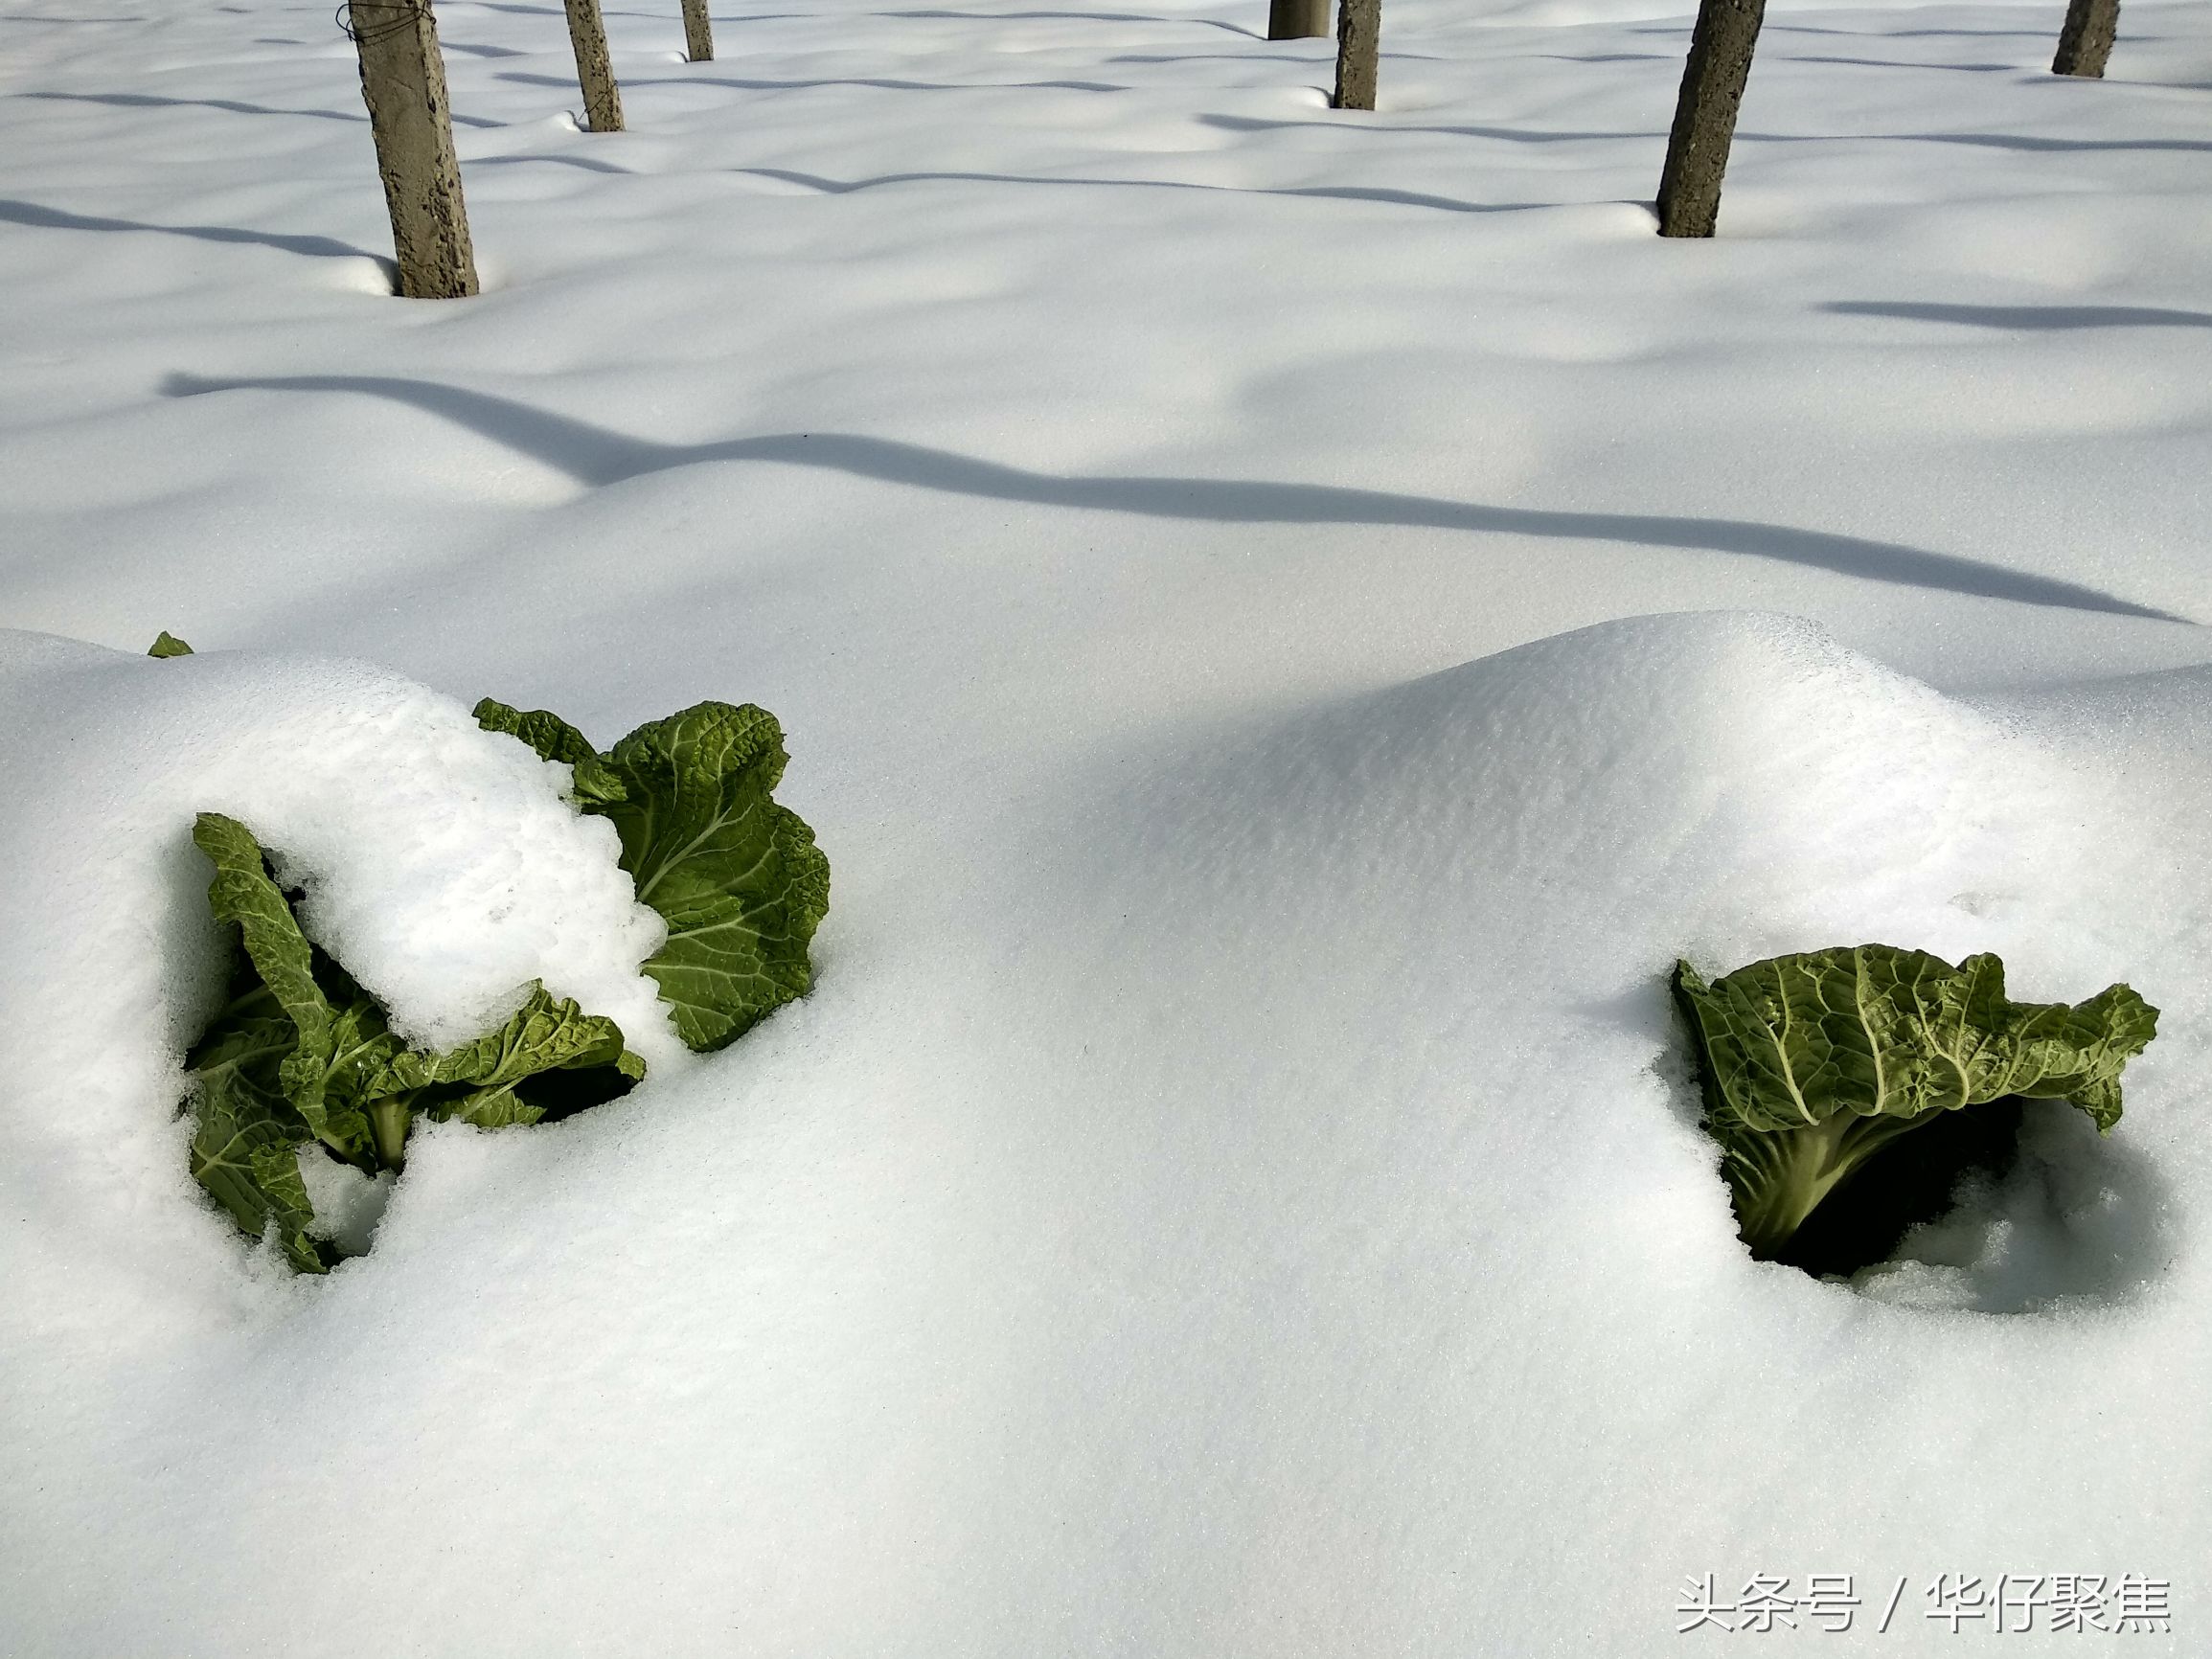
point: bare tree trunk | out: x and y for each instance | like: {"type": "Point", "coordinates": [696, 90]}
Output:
{"type": "Point", "coordinates": [2086, 39]}
{"type": "Point", "coordinates": [1358, 43]}
{"type": "Point", "coordinates": [594, 72]}
{"type": "Point", "coordinates": [1297, 19]}
{"type": "Point", "coordinates": [698, 33]}
{"type": "Point", "coordinates": [404, 84]}
{"type": "Point", "coordinates": [1706, 115]}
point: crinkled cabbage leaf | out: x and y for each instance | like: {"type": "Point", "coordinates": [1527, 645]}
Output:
{"type": "Point", "coordinates": [1813, 1064]}
{"type": "Point", "coordinates": [737, 876]}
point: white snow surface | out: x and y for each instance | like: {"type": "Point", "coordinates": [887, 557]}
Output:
{"type": "Point", "coordinates": [1288, 624]}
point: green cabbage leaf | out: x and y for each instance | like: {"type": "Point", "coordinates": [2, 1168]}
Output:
{"type": "Point", "coordinates": [736, 878]}
{"type": "Point", "coordinates": [1811, 1064]}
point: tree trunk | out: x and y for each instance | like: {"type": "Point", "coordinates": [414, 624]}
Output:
{"type": "Point", "coordinates": [1706, 115]}
{"type": "Point", "coordinates": [698, 33]}
{"type": "Point", "coordinates": [594, 72]}
{"type": "Point", "coordinates": [2086, 39]}
{"type": "Point", "coordinates": [404, 84]}
{"type": "Point", "coordinates": [1297, 19]}
{"type": "Point", "coordinates": [1358, 43]}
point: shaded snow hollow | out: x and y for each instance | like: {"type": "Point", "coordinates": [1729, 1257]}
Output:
{"type": "Point", "coordinates": [1309, 1249]}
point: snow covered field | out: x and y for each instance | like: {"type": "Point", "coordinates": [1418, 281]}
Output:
{"type": "Point", "coordinates": [1288, 622]}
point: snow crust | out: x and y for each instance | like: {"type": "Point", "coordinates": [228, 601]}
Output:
{"type": "Point", "coordinates": [1288, 622]}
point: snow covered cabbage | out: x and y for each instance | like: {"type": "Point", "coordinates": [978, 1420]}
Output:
{"type": "Point", "coordinates": [736, 878]}
{"type": "Point", "coordinates": [1812, 1064]}
{"type": "Point", "coordinates": [302, 1057]}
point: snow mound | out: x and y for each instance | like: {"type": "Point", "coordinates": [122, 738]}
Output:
{"type": "Point", "coordinates": [1486, 875]}
{"type": "Point", "coordinates": [440, 863]}
{"type": "Point", "coordinates": [1428, 1192]}
{"type": "Point", "coordinates": [1271, 1220]}
{"type": "Point", "coordinates": [1741, 775]}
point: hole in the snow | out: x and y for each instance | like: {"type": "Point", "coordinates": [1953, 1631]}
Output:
{"type": "Point", "coordinates": [1907, 1184]}
{"type": "Point", "coordinates": [2061, 1213]}
{"type": "Point", "coordinates": [2001, 1208]}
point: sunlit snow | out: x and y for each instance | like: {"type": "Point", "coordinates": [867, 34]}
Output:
{"type": "Point", "coordinates": [1288, 624]}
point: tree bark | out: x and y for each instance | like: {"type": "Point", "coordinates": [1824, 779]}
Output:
{"type": "Point", "coordinates": [404, 84]}
{"type": "Point", "coordinates": [1359, 44]}
{"type": "Point", "coordinates": [594, 70]}
{"type": "Point", "coordinates": [1297, 19]}
{"type": "Point", "coordinates": [2086, 39]}
{"type": "Point", "coordinates": [698, 33]}
{"type": "Point", "coordinates": [1706, 115]}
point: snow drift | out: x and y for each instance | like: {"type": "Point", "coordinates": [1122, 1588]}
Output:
{"type": "Point", "coordinates": [1312, 1251]}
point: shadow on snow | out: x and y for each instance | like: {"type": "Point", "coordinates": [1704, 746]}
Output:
{"type": "Point", "coordinates": [147, 100]}
{"type": "Point", "coordinates": [1337, 193]}
{"type": "Point", "coordinates": [2027, 317]}
{"type": "Point", "coordinates": [24, 213]}
{"type": "Point", "coordinates": [595, 457]}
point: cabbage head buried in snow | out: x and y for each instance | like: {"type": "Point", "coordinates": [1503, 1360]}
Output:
{"type": "Point", "coordinates": [302, 1064]}
{"type": "Point", "coordinates": [1812, 1064]}
{"type": "Point", "coordinates": [301, 1059]}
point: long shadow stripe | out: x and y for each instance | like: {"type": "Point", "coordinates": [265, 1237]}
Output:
{"type": "Point", "coordinates": [595, 457]}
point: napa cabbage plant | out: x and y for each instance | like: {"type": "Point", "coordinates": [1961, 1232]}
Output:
{"type": "Point", "coordinates": [302, 1057]}
{"type": "Point", "coordinates": [302, 1061]}
{"type": "Point", "coordinates": [1812, 1064]}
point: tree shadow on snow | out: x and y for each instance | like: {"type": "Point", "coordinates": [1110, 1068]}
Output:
{"type": "Point", "coordinates": [1909, 34]}
{"type": "Point", "coordinates": [1985, 140]}
{"type": "Point", "coordinates": [24, 213]}
{"type": "Point", "coordinates": [594, 456]}
{"type": "Point", "coordinates": [147, 100]}
{"type": "Point", "coordinates": [1334, 193]}
{"type": "Point", "coordinates": [1519, 135]}
{"type": "Point", "coordinates": [1899, 63]}
{"type": "Point", "coordinates": [1510, 134]}
{"type": "Point", "coordinates": [1069, 17]}
{"type": "Point", "coordinates": [884, 85]}
{"type": "Point", "coordinates": [583, 163]}
{"type": "Point", "coordinates": [2026, 317]}
{"type": "Point", "coordinates": [1310, 58]}
{"type": "Point", "coordinates": [1683, 29]}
